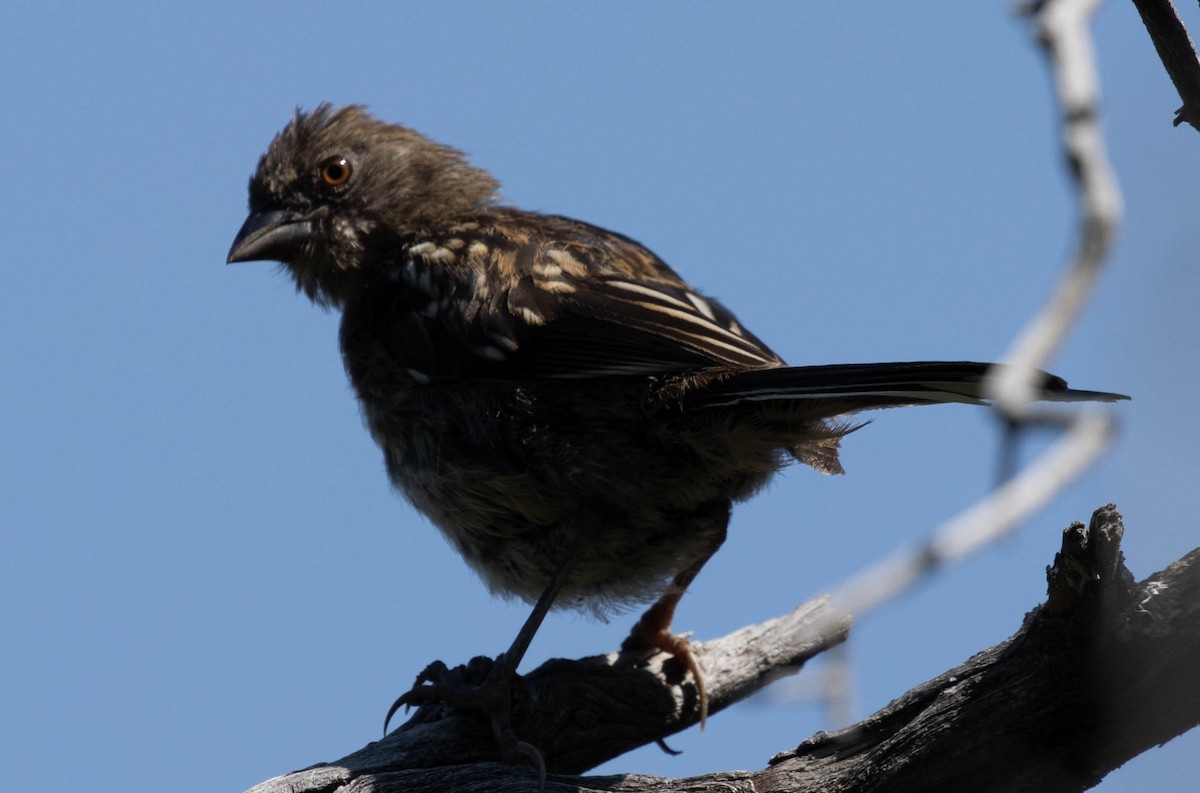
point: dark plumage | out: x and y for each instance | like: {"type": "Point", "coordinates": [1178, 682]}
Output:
{"type": "Point", "coordinates": [540, 386]}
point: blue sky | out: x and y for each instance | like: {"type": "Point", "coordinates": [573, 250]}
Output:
{"type": "Point", "coordinates": [204, 576]}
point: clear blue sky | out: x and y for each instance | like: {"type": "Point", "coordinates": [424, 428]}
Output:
{"type": "Point", "coordinates": [205, 579]}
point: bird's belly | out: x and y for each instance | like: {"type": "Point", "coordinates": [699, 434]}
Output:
{"type": "Point", "coordinates": [512, 475]}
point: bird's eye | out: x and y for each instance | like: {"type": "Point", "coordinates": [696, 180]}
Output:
{"type": "Point", "coordinates": [335, 171]}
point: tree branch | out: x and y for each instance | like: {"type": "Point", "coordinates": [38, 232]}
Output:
{"type": "Point", "coordinates": [1104, 670]}
{"type": "Point", "coordinates": [1177, 53]}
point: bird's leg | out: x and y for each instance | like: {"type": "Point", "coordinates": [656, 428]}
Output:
{"type": "Point", "coordinates": [507, 662]}
{"type": "Point", "coordinates": [653, 630]}
{"type": "Point", "coordinates": [493, 697]}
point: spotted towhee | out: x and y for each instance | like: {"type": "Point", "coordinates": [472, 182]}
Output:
{"type": "Point", "coordinates": [573, 416]}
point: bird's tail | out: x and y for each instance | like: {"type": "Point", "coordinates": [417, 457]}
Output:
{"type": "Point", "coordinates": [846, 388]}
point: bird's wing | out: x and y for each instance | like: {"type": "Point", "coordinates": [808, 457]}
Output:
{"type": "Point", "coordinates": [615, 326]}
{"type": "Point", "coordinates": [594, 305]}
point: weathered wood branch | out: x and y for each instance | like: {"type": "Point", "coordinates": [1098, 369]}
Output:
{"type": "Point", "coordinates": [1104, 670]}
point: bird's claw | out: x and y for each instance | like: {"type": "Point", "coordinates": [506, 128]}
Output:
{"type": "Point", "coordinates": [463, 688]}
{"type": "Point", "coordinates": [483, 685]}
{"type": "Point", "coordinates": [428, 689]}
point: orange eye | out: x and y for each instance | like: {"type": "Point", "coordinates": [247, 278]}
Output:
{"type": "Point", "coordinates": [335, 171]}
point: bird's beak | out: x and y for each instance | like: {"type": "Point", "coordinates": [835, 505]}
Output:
{"type": "Point", "coordinates": [271, 235]}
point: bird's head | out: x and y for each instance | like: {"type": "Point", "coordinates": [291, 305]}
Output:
{"type": "Point", "coordinates": [338, 183]}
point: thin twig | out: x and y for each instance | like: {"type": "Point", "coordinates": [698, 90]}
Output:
{"type": "Point", "coordinates": [1062, 29]}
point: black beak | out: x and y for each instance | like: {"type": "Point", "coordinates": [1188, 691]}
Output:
{"type": "Point", "coordinates": [271, 235]}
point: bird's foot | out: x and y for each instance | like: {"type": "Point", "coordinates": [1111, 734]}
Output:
{"type": "Point", "coordinates": [461, 689]}
{"type": "Point", "coordinates": [650, 636]}
{"type": "Point", "coordinates": [483, 687]}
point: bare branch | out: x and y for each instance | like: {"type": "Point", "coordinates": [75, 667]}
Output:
{"type": "Point", "coordinates": [1104, 670]}
{"type": "Point", "coordinates": [1062, 28]}
{"type": "Point", "coordinates": [991, 518]}
{"type": "Point", "coordinates": [1177, 53]}
{"type": "Point", "coordinates": [581, 713]}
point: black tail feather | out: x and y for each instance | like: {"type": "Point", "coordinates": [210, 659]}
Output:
{"type": "Point", "coordinates": [875, 385]}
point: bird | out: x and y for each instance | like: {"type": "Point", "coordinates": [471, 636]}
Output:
{"type": "Point", "coordinates": [574, 417]}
